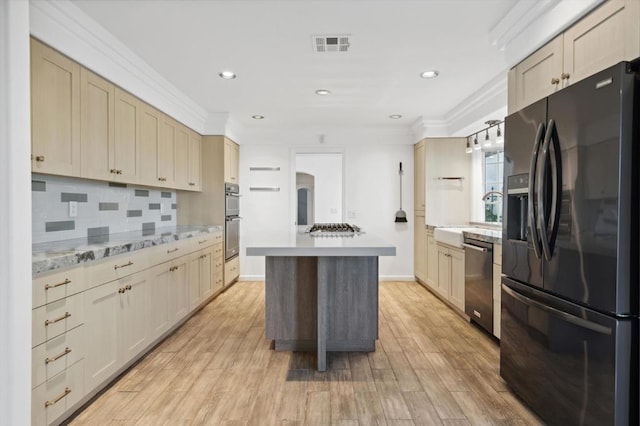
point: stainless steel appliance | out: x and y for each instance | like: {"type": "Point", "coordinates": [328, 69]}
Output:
{"type": "Point", "coordinates": [569, 329]}
{"type": "Point", "coordinates": [232, 220]}
{"type": "Point", "coordinates": [478, 282]}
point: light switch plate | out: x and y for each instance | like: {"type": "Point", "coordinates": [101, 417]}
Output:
{"type": "Point", "coordinates": [73, 208]}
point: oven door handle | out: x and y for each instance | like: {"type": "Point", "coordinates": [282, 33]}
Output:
{"type": "Point", "coordinates": [232, 219]}
{"type": "Point", "coordinates": [477, 248]}
{"type": "Point", "coordinates": [232, 194]}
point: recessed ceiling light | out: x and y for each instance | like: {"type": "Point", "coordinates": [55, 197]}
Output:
{"type": "Point", "coordinates": [227, 75]}
{"type": "Point", "coordinates": [258, 117]}
{"type": "Point", "coordinates": [429, 74]}
{"type": "Point", "coordinates": [322, 92]}
{"type": "Point", "coordinates": [395, 116]}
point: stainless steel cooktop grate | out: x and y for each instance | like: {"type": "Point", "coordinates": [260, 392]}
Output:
{"type": "Point", "coordinates": [318, 228]}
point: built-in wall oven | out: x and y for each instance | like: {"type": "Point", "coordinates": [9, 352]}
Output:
{"type": "Point", "coordinates": [232, 220]}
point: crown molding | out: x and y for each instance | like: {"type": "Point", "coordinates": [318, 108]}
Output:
{"type": "Point", "coordinates": [65, 27]}
{"type": "Point", "coordinates": [530, 24]}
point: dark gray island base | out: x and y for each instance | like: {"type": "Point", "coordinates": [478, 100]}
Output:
{"type": "Point", "coordinates": [325, 303]}
{"type": "Point", "coordinates": [321, 292]}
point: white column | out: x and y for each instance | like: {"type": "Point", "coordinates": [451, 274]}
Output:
{"type": "Point", "coordinates": [15, 215]}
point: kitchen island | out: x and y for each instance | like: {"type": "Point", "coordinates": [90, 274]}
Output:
{"type": "Point", "coordinates": [321, 291]}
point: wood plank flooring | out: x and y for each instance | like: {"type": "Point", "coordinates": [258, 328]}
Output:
{"type": "Point", "coordinates": [430, 367]}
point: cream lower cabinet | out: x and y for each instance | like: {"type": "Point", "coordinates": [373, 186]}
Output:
{"type": "Point", "coordinates": [179, 289]}
{"type": "Point", "coordinates": [231, 270]}
{"type": "Point", "coordinates": [432, 260]}
{"type": "Point", "coordinates": [450, 282]}
{"type": "Point", "coordinates": [116, 326]}
{"type": "Point", "coordinates": [419, 248]}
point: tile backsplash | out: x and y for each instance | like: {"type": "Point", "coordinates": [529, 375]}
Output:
{"type": "Point", "coordinates": [103, 208]}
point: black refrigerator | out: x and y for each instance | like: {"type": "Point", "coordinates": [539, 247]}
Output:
{"type": "Point", "coordinates": [569, 323]}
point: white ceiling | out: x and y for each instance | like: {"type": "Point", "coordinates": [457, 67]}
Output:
{"type": "Point", "coordinates": [268, 44]}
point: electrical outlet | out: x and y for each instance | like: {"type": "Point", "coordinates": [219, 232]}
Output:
{"type": "Point", "coordinates": [73, 208]}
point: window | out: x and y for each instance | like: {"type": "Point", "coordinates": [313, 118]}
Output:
{"type": "Point", "coordinates": [493, 171]}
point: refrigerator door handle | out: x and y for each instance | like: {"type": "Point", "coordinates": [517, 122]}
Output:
{"type": "Point", "coordinates": [543, 221]}
{"type": "Point", "coordinates": [580, 322]}
{"type": "Point", "coordinates": [556, 183]}
{"type": "Point", "coordinates": [535, 239]}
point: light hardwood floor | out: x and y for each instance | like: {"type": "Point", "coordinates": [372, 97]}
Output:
{"type": "Point", "coordinates": [430, 367]}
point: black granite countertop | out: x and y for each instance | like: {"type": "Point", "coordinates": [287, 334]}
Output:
{"type": "Point", "coordinates": [61, 254]}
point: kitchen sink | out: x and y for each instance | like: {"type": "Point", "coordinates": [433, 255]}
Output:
{"type": "Point", "coordinates": [450, 236]}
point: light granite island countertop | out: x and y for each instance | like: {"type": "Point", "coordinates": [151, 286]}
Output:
{"type": "Point", "coordinates": [321, 291]}
{"type": "Point", "coordinates": [50, 256]}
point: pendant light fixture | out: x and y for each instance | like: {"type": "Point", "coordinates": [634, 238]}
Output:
{"type": "Point", "coordinates": [487, 139]}
{"type": "Point", "coordinates": [476, 145]}
{"type": "Point", "coordinates": [499, 137]}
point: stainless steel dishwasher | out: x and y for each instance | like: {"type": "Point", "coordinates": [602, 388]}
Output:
{"type": "Point", "coordinates": [478, 282]}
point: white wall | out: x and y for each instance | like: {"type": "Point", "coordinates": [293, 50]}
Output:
{"type": "Point", "coordinates": [326, 168]}
{"type": "Point", "coordinates": [371, 194]}
{"type": "Point", "coordinates": [15, 216]}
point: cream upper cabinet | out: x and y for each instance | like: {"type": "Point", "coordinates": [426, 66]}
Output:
{"type": "Point", "coordinates": [55, 112]}
{"type": "Point", "coordinates": [150, 122]}
{"type": "Point", "coordinates": [167, 151]}
{"type": "Point", "coordinates": [195, 161]}
{"type": "Point", "coordinates": [231, 161]}
{"type": "Point", "coordinates": [181, 164]}
{"type": "Point", "coordinates": [419, 183]}
{"type": "Point", "coordinates": [96, 125]}
{"type": "Point", "coordinates": [538, 75]}
{"type": "Point", "coordinates": [606, 36]}
{"type": "Point", "coordinates": [124, 158]}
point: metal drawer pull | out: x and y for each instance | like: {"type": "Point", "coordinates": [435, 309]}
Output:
{"type": "Point", "coordinates": [40, 158]}
{"type": "Point", "coordinates": [172, 251]}
{"type": "Point", "coordinates": [53, 321]}
{"type": "Point", "coordinates": [123, 266]}
{"type": "Point", "coordinates": [65, 282]}
{"type": "Point", "coordinates": [127, 287]}
{"type": "Point", "coordinates": [192, 184]}
{"type": "Point", "coordinates": [555, 81]}
{"type": "Point", "coordinates": [66, 392]}
{"type": "Point", "coordinates": [472, 247]}
{"type": "Point", "coordinates": [66, 351]}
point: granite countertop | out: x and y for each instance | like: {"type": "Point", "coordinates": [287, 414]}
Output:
{"type": "Point", "coordinates": [61, 254]}
{"type": "Point", "coordinates": [299, 243]}
{"type": "Point", "coordinates": [483, 234]}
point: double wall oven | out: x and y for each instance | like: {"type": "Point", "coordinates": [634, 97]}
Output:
{"type": "Point", "coordinates": [232, 220]}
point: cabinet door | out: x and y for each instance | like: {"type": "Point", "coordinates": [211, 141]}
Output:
{"type": "Point", "coordinates": [126, 147]}
{"type": "Point", "coordinates": [158, 290]}
{"type": "Point", "coordinates": [179, 290]}
{"type": "Point", "coordinates": [457, 278]}
{"type": "Point", "coordinates": [603, 38]}
{"type": "Point", "coordinates": [419, 176]}
{"type": "Point", "coordinates": [150, 121]}
{"type": "Point", "coordinates": [444, 272]}
{"type": "Point", "coordinates": [135, 336]}
{"type": "Point", "coordinates": [206, 273]}
{"type": "Point", "coordinates": [167, 152]}
{"type": "Point", "coordinates": [96, 126]}
{"type": "Point", "coordinates": [195, 159]}
{"type": "Point", "coordinates": [181, 165]}
{"type": "Point", "coordinates": [194, 279]}
{"type": "Point", "coordinates": [231, 160]}
{"type": "Point", "coordinates": [55, 112]}
{"type": "Point", "coordinates": [420, 248]}
{"type": "Point", "coordinates": [102, 306]}
{"type": "Point", "coordinates": [432, 261]}
{"type": "Point", "coordinates": [539, 75]}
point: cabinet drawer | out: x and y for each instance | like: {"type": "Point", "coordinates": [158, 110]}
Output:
{"type": "Point", "coordinates": [166, 252]}
{"type": "Point", "coordinates": [218, 250]}
{"type": "Point", "coordinates": [56, 355]}
{"type": "Point", "coordinates": [57, 285]}
{"type": "Point", "coordinates": [204, 240]}
{"type": "Point", "coordinates": [51, 399]}
{"type": "Point", "coordinates": [55, 318]}
{"type": "Point", "coordinates": [231, 270]}
{"type": "Point", "coordinates": [116, 267]}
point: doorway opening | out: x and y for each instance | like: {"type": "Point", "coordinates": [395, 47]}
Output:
{"type": "Point", "coordinates": [318, 187]}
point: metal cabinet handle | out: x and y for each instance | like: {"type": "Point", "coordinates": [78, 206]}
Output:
{"type": "Point", "coordinates": [118, 172]}
{"type": "Point", "coordinates": [65, 282]}
{"type": "Point", "coordinates": [123, 266]}
{"type": "Point", "coordinates": [60, 355]}
{"type": "Point", "coordinates": [121, 290]}
{"type": "Point", "coordinates": [113, 171]}
{"type": "Point", "coordinates": [40, 158]}
{"type": "Point", "coordinates": [565, 76]}
{"type": "Point", "coordinates": [127, 287]}
{"type": "Point", "coordinates": [173, 250]}
{"type": "Point", "coordinates": [192, 184]}
{"type": "Point", "coordinates": [173, 268]}
{"type": "Point", "coordinates": [66, 392]}
{"type": "Point", "coordinates": [53, 321]}
{"type": "Point", "coordinates": [202, 241]}
{"type": "Point", "coordinates": [555, 81]}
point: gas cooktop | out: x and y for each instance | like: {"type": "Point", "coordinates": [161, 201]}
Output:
{"type": "Point", "coordinates": [333, 229]}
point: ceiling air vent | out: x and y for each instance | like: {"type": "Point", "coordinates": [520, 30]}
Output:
{"type": "Point", "coordinates": [330, 43]}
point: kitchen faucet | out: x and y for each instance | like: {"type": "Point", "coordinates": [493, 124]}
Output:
{"type": "Point", "coordinates": [486, 196]}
